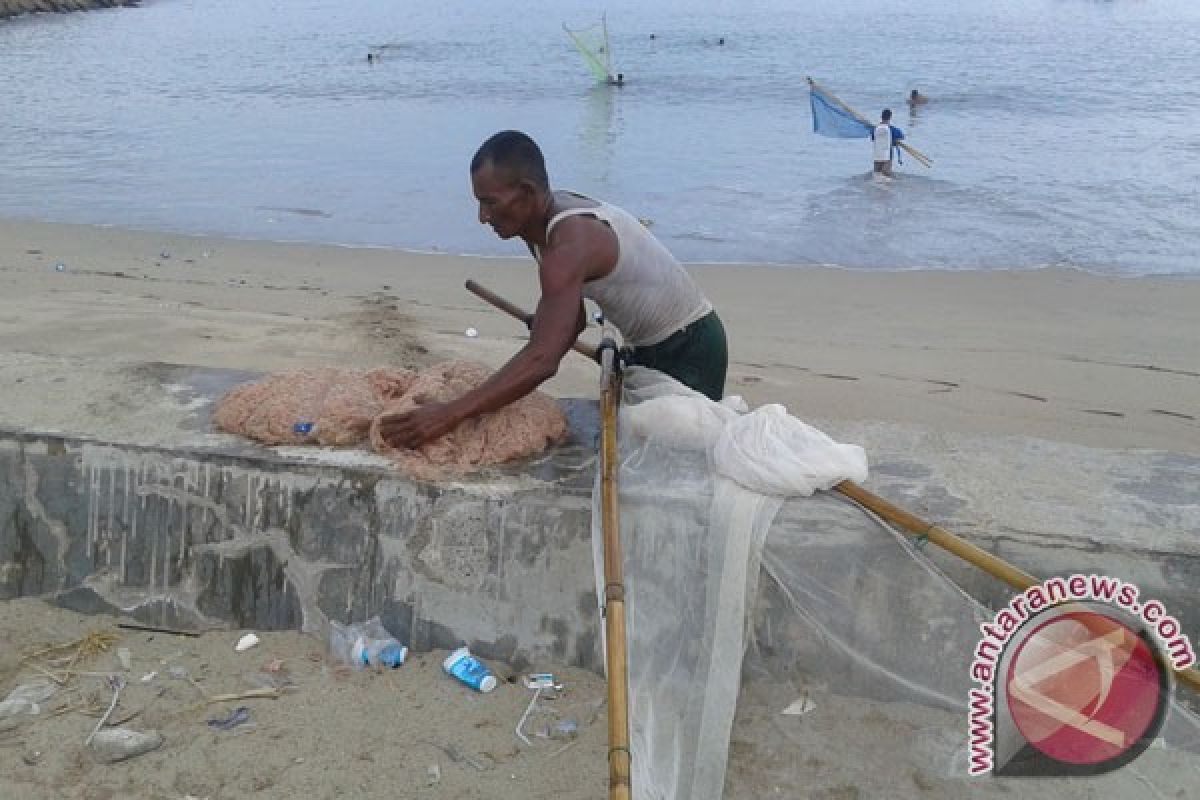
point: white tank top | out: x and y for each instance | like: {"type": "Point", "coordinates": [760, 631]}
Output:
{"type": "Point", "coordinates": [883, 142]}
{"type": "Point", "coordinates": [649, 294]}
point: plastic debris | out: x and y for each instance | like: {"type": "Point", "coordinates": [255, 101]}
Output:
{"type": "Point", "coordinates": [149, 676]}
{"type": "Point", "coordinates": [800, 706]}
{"type": "Point", "coordinates": [470, 670]}
{"type": "Point", "coordinates": [542, 680]}
{"type": "Point", "coordinates": [125, 657]}
{"type": "Point", "coordinates": [119, 744]}
{"type": "Point", "coordinates": [433, 774]}
{"type": "Point", "coordinates": [246, 642]}
{"type": "Point", "coordinates": [238, 716]}
{"type": "Point", "coordinates": [471, 333]}
{"type": "Point", "coordinates": [564, 729]}
{"type": "Point", "coordinates": [302, 428]}
{"type": "Point", "coordinates": [178, 673]}
{"type": "Point", "coordinates": [366, 644]}
{"type": "Point", "coordinates": [116, 683]}
{"type": "Point", "coordinates": [60, 267]}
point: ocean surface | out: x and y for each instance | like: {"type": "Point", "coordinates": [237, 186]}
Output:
{"type": "Point", "coordinates": [1064, 132]}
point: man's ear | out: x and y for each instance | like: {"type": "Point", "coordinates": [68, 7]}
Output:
{"type": "Point", "coordinates": [528, 188]}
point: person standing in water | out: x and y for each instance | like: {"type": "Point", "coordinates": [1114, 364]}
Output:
{"type": "Point", "coordinates": [886, 136]}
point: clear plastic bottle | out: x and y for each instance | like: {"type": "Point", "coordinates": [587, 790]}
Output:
{"type": "Point", "coordinates": [379, 652]}
{"type": "Point", "coordinates": [366, 644]}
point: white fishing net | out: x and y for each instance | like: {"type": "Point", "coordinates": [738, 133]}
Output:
{"type": "Point", "coordinates": [708, 504]}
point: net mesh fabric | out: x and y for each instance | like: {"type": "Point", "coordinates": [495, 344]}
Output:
{"type": "Point", "coordinates": [592, 44]}
{"type": "Point", "coordinates": [742, 576]}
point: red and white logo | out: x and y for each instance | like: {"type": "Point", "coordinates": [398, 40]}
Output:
{"type": "Point", "coordinates": [1085, 693]}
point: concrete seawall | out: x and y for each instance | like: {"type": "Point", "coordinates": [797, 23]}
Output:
{"type": "Point", "coordinates": [212, 532]}
{"type": "Point", "coordinates": [13, 8]}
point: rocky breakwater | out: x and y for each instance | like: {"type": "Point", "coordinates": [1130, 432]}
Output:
{"type": "Point", "coordinates": [12, 8]}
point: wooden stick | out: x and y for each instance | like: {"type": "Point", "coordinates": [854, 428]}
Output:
{"type": "Point", "coordinates": [137, 626]}
{"type": "Point", "coordinates": [521, 314]}
{"type": "Point", "coordinates": [619, 756]}
{"type": "Point", "coordinates": [989, 563]}
{"type": "Point", "coordinates": [993, 565]}
{"type": "Point", "coordinates": [924, 160]}
{"type": "Point", "coordinates": [616, 658]}
{"type": "Point", "coordinates": [249, 694]}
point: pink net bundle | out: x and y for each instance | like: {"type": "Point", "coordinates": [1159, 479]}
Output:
{"type": "Point", "coordinates": [340, 407]}
{"type": "Point", "coordinates": [520, 430]}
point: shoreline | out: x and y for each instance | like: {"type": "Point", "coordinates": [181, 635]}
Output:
{"type": "Point", "coordinates": [15, 8]}
{"type": "Point", "coordinates": [436, 251]}
{"type": "Point", "coordinates": [1054, 353]}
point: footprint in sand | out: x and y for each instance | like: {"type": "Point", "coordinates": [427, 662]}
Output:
{"type": "Point", "coordinates": [1176, 414]}
{"type": "Point", "coordinates": [1102, 412]}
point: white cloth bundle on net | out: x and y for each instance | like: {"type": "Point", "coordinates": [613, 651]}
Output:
{"type": "Point", "coordinates": [700, 485]}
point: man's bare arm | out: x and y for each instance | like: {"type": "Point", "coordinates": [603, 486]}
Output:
{"type": "Point", "coordinates": [578, 253]}
{"type": "Point", "coordinates": [556, 325]}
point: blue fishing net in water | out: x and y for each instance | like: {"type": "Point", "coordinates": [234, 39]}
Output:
{"type": "Point", "coordinates": [831, 119]}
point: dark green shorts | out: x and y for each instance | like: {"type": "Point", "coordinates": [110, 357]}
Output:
{"type": "Point", "coordinates": [695, 355]}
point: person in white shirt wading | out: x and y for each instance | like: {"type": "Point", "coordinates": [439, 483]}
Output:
{"type": "Point", "coordinates": [885, 136]}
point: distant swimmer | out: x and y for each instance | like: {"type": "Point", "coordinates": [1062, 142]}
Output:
{"type": "Point", "coordinates": [616, 80]}
{"type": "Point", "coordinates": [370, 58]}
{"type": "Point", "coordinates": [915, 98]}
{"type": "Point", "coordinates": [721, 41]}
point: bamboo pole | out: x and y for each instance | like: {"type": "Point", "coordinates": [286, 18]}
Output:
{"type": "Point", "coordinates": [499, 302]}
{"type": "Point", "coordinates": [616, 658]}
{"type": "Point", "coordinates": [924, 160]}
{"type": "Point", "coordinates": [619, 756]}
{"type": "Point", "coordinates": [993, 565]}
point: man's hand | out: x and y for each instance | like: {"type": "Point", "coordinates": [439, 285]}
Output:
{"type": "Point", "coordinates": [414, 428]}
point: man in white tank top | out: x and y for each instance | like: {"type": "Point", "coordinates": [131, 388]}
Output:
{"type": "Point", "coordinates": [584, 248]}
{"type": "Point", "coordinates": [885, 136]}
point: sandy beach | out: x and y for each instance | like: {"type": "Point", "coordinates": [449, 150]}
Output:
{"type": "Point", "coordinates": [1055, 354]}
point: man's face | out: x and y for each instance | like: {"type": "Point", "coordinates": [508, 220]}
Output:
{"type": "Point", "coordinates": [505, 203]}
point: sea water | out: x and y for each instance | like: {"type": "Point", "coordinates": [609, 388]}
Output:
{"type": "Point", "coordinates": [1062, 131]}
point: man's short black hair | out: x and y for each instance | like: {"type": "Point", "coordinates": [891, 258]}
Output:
{"type": "Point", "coordinates": [887, 114]}
{"type": "Point", "coordinates": [516, 153]}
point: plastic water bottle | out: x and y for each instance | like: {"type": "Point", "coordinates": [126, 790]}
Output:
{"type": "Point", "coordinates": [302, 428]}
{"type": "Point", "coordinates": [379, 652]}
{"type": "Point", "coordinates": [470, 670]}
